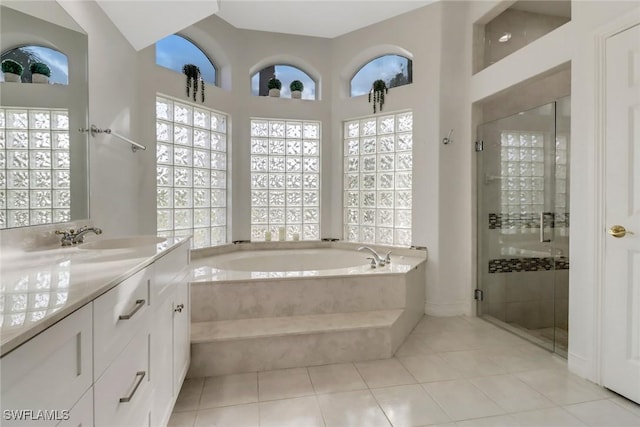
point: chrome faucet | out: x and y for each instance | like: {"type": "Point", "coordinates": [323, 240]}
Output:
{"type": "Point", "coordinates": [377, 260]}
{"type": "Point", "coordinates": [78, 236]}
{"type": "Point", "coordinates": [74, 237]}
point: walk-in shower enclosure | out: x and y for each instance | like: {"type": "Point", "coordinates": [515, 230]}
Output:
{"type": "Point", "coordinates": [523, 223]}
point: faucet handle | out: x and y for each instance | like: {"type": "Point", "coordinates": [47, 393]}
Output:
{"type": "Point", "coordinates": [387, 258]}
{"type": "Point", "coordinates": [373, 262]}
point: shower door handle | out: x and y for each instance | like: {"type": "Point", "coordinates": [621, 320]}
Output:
{"type": "Point", "coordinates": [542, 237]}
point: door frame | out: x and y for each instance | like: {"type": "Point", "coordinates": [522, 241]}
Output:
{"type": "Point", "coordinates": [613, 28]}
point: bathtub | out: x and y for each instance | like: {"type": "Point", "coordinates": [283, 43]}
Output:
{"type": "Point", "coordinates": [271, 306]}
{"type": "Point", "coordinates": [306, 262]}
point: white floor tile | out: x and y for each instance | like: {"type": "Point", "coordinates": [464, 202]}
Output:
{"type": "Point", "coordinates": [335, 378]}
{"type": "Point", "coordinates": [189, 396]}
{"type": "Point", "coordinates": [352, 409]}
{"type": "Point", "coordinates": [511, 394]}
{"type": "Point", "coordinates": [414, 345]}
{"type": "Point", "coordinates": [627, 404]}
{"type": "Point", "coordinates": [497, 421]}
{"type": "Point", "coordinates": [384, 373]}
{"type": "Point", "coordinates": [472, 363]}
{"type": "Point", "coordinates": [429, 368]}
{"type": "Point", "coordinates": [227, 390]}
{"type": "Point", "coordinates": [409, 405]}
{"type": "Point", "coordinates": [461, 400]}
{"type": "Point", "coordinates": [182, 419]}
{"type": "Point", "coordinates": [296, 412]}
{"type": "Point", "coordinates": [548, 417]}
{"type": "Point", "coordinates": [603, 413]}
{"type": "Point", "coordinates": [230, 416]}
{"type": "Point", "coordinates": [561, 387]}
{"type": "Point", "coordinates": [284, 383]}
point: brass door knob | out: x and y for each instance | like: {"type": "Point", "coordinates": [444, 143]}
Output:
{"type": "Point", "coordinates": [618, 231]}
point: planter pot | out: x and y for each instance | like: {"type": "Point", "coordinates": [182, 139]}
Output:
{"type": "Point", "coordinates": [274, 92]}
{"type": "Point", "coordinates": [296, 94]}
{"type": "Point", "coordinates": [39, 78]}
{"type": "Point", "coordinates": [10, 77]}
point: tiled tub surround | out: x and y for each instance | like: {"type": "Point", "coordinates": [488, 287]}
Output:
{"type": "Point", "coordinates": [244, 321]}
{"type": "Point", "coordinates": [42, 282]}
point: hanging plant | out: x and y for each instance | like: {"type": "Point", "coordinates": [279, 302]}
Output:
{"type": "Point", "coordinates": [194, 80]}
{"type": "Point", "coordinates": [378, 89]}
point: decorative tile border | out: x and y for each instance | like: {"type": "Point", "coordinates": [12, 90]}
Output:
{"type": "Point", "coordinates": [503, 220]}
{"type": "Point", "coordinates": [513, 265]}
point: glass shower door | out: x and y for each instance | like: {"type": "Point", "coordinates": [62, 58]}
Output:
{"type": "Point", "coordinates": [518, 240]}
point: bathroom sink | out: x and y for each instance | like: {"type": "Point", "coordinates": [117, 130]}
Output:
{"type": "Point", "coordinates": [123, 242]}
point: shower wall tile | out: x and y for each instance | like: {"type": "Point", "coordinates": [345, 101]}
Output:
{"type": "Point", "coordinates": [532, 220]}
{"type": "Point", "coordinates": [508, 265]}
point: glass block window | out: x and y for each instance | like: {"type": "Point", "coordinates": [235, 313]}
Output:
{"type": "Point", "coordinates": [522, 170]}
{"type": "Point", "coordinates": [191, 154]}
{"type": "Point", "coordinates": [35, 163]}
{"type": "Point", "coordinates": [285, 178]}
{"type": "Point", "coordinates": [378, 163]}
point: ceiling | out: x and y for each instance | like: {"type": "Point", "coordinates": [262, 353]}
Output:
{"type": "Point", "coordinates": [319, 18]}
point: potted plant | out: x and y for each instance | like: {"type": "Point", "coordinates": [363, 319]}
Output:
{"type": "Point", "coordinates": [12, 70]}
{"type": "Point", "coordinates": [274, 86]}
{"type": "Point", "coordinates": [193, 78]}
{"type": "Point", "coordinates": [296, 87]}
{"type": "Point", "coordinates": [40, 72]}
{"type": "Point", "coordinates": [378, 89]}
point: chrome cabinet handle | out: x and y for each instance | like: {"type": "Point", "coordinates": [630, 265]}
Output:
{"type": "Point", "coordinates": [140, 375]}
{"type": "Point", "coordinates": [179, 308]}
{"type": "Point", "coordinates": [139, 304]}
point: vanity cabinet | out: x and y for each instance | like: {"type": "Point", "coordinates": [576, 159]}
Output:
{"type": "Point", "coordinates": [119, 360]}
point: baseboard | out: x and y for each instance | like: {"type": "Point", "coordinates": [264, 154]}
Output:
{"type": "Point", "coordinates": [459, 308]}
{"type": "Point", "coordinates": [582, 367]}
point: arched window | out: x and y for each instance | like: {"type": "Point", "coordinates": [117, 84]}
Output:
{"type": "Point", "coordinates": [286, 74]}
{"type": "Point", "coordinates": [174, 51]}
{"type": "Point", "coordinates": [26, 55]}
{"type": "Point", "coordinates": [395, 70]}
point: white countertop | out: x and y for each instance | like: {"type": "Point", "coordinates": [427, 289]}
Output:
{"type": "Point", "coordinates": [38, 288]}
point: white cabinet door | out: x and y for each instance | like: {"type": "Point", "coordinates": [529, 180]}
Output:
{"type": "Point", "coordinates": [621, 345]}
{"type": "Point", "coordinates": [50, 372]}
{"type": "Point", "coordinates": [181, 334]}
{"type": "Point", "coordinates": [162, 362]}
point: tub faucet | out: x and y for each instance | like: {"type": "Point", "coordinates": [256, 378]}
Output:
{"type": "Point", "coordinates": [376, 260]}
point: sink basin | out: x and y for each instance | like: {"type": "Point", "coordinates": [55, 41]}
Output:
{"type": "Point", "coordinates": [123, 242]}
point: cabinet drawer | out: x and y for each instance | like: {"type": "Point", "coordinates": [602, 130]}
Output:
{"type": "Point", "coordinates": [118, 315]}
{"type": "Point", "coordinates": [167, 268]}
{"type": "Point", "coordinates": [123, 393]}
{"type": "Point", "coordinates": [50, 372]}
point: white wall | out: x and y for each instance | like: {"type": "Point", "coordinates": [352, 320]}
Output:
{"type": "Point", "coordinates": [114, 174]}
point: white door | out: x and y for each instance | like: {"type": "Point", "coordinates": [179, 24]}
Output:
{"type": "Point", "coordinates": [621, 332]}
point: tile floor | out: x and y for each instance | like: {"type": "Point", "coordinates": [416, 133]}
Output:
{"type": "Point", "coordinates": [454, 372]}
